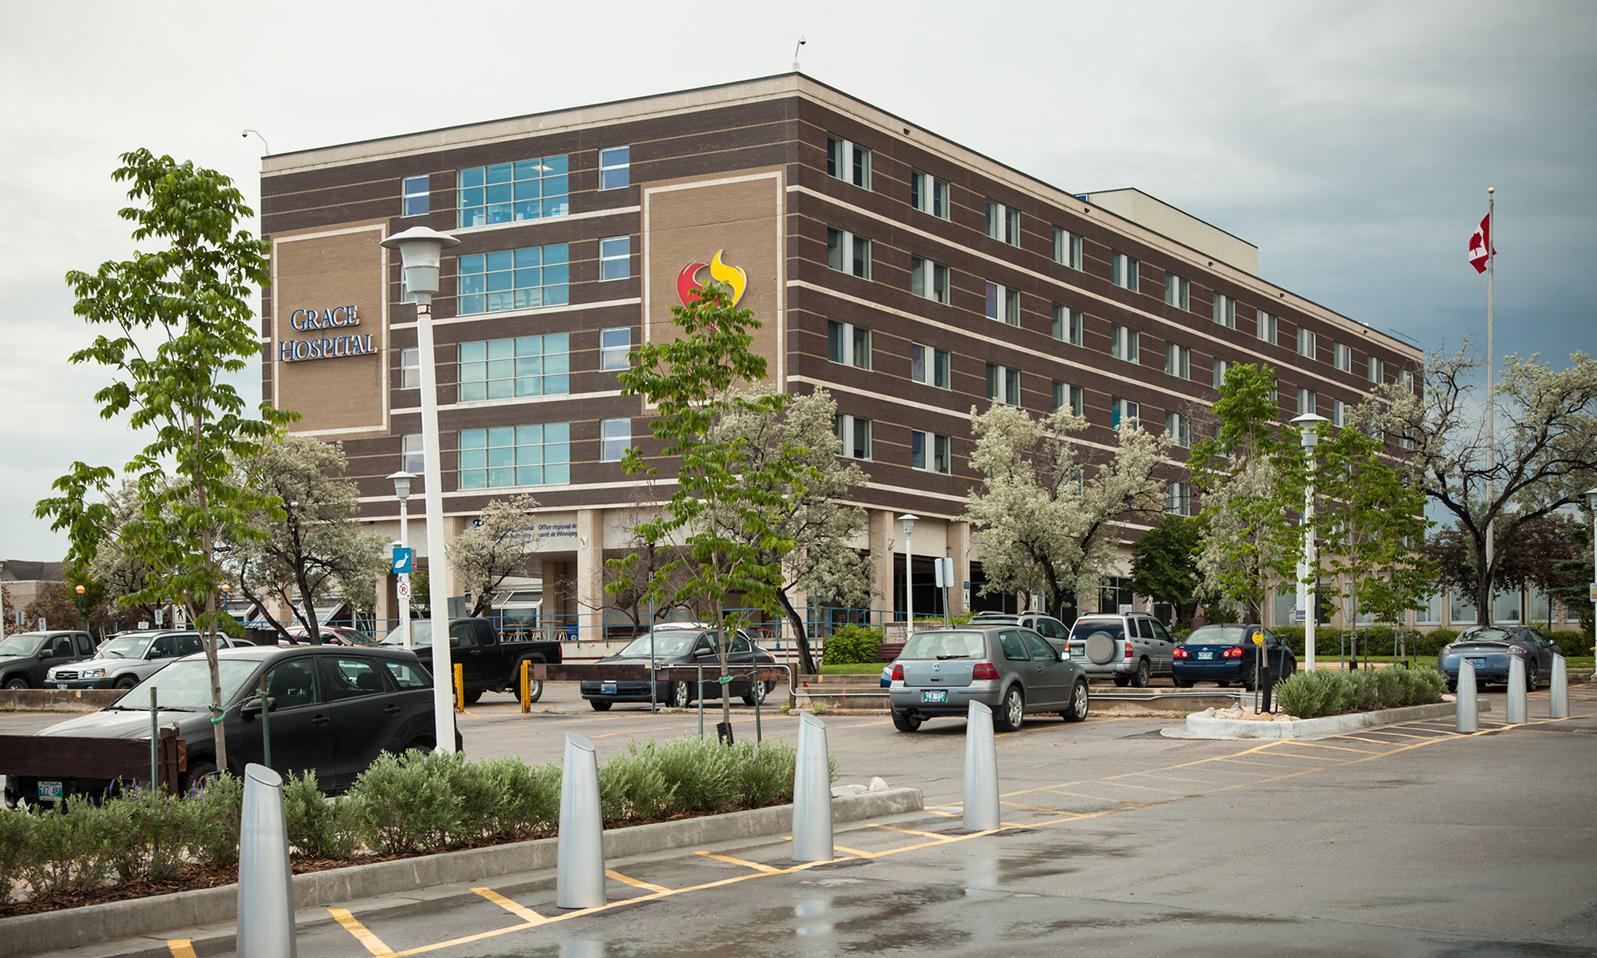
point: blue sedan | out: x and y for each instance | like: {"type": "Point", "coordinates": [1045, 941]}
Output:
{"type": "Point", "coordinates": [1226, 653]}
{"type": "Point", "coordinates": [1490, 648]}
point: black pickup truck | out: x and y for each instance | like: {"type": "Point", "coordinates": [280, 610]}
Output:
{"type": "Point", "coordinates": [487, 664]}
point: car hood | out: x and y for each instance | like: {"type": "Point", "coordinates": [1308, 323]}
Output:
{"type": "Point", "coordinates": [110, 663]}
{"type": "Point", "coordinates": [116, 723]}
{"type": "Point", "coordinates": [13, 658]}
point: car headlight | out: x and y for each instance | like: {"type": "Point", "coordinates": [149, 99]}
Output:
{"type": "Point", "coordinates": [92, 674]}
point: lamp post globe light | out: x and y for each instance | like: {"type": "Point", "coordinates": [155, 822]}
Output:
{"type": "Point", "coordinates": [80, 590]}
{"type": "Point", "coordinates": [402, 481]}
{"type": "Point", "coordinates": [909, 519]}
{"type": "Point", "coordinates": [420, 251]}
{"type": "Point", "coordinates": [1309, 581]}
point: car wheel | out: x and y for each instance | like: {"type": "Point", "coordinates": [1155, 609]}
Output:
{"type": "Point", "coordinates": [1078, 703]}
{"type": "Point", "coordinates": [681, 694]}
{"type": "Point", "coordinates": [17, 682]}
{"type": "Point", "coordinates": [600, 705]}
{"type": "Point", "coordinates": [1121, 681]}
{"type": "Point", "coordinates": [1011, 711]}
{"type": "Point", "coordinates": [757, 693]}
{"type": "Point", "coordinates": [1180, 682]}
{"type": "Point", "coordinates": [906, 721]}
{"type": "Point", "coordinates": [1452, 685]}
{"type": "Point", "coordinates": [1143, 674]}
{"type": "Point", "coordinates": [198, 776]}
{"type": "Point", "coordinates": [534, 690]}
{"type": "Point", "coordinates": [1224, 685]}
{"type": "Point", "coordinates": [1531, 677]}
{"type": "Point", "coordinates": [127, 682]}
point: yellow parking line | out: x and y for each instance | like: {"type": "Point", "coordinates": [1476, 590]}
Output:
{"type": "Point", "coordinates": [634, 882]}
{"type": "Point", "coordinates": [181, 947]}
{"type": "Point", "coordinates": [1038, 808]}
{"type": "Point", "coordinates": [1149, 788]}
{"type": "Point", "coordinates": [933, 811]}
{"type": "Point", "coordinates": [855, 851]}
{"type": "Point", "coordinates": [906, 831]}
{"type": "Point", "coordinates": [1340, 748]}
{"type": "Point", "coordinates": [362, 934]}
{"type": "Point", "coordinates": [767, 869]}
{"type": "Point", "coordinates": [515, 908]}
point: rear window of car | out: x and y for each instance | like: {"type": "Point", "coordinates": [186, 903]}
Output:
{"type": "Point", "coordinates": [407, 675]}
{"type": "Point", "coordinates": [1114, 628]}
{"type": "Point", "coordinates": [943, 645]}
{"type": "Point", "coordinates": [1218, 635]}
{"type": "Point", "coordinates": [1484, 635]}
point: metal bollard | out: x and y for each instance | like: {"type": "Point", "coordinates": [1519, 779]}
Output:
{"type": "Point", "coordinates": [265, 883]}
{"type": "Point", "coordinates": [981, 770]}
{"type": "Point", "coordinates": [1558, 698]}
{"type": "Point", "coordinates": [1468, 718]}
{"type": "Point", "coordinates": [812, 794]}
{"type": "Point", "coordinates": [1514, 714]}
{"type": "Point", "coordinates": [579, 855]}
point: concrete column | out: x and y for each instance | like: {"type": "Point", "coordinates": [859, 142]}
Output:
{"type": "Point", "coordinates": [382, 608]}
{"type": "Point", "coordinates": [590, 574]}
{"type": "Point", "coordinates": [882, 524]}
{"type": "Point", "coordinates": [959, 551]}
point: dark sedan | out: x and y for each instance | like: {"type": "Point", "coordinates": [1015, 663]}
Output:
{"type": "Point", "coordinates": [332, 710]}
{"type": "Point", "coordinates": [1490, 648]}
{"type": "Point", "coordinates": [681, 646]}
{"type": "Point", "coordinates": [1227, 653]}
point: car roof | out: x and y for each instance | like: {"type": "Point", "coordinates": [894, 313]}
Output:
{"type": "Point", "coordinates": [269, 652]}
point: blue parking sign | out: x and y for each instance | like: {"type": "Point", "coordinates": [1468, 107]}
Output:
{"type": "Point", "coordinates": [403, 558]}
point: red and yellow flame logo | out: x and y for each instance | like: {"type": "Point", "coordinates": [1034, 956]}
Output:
{"type": "Point", "coordinates": [688, 281]}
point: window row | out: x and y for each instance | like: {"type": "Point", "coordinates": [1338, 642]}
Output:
{"type": "Point", "coordinates": [534, 188]}
{"type": "Point", "coordinates": [520, 366]}
{"type": "Point", "coordinates": [928, 451]}
{"type": "Point", "coordinates": [532, 455]}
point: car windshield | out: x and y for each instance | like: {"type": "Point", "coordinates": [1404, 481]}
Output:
{"type": "Point", "coordinates": [21, 645]}
{"type": "Point", "coordinates": [1114, 628]}
{"type": "Point", "coordinates": [669, 644]}
{"type": "Point", "coordinates": [125, 647]}
{"type": "Point", "coordinates": [421, 633]}
{"type": "Point", "coordinates": [186, 685]}
{"type": "Point", "coordinates": [943, 645]}
{"type": "Point", "coordinates": [1218, 635]}
{"type": "Point", "coordinates": [1484, 635]}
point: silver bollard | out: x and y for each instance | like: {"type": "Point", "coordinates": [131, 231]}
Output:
{"type": "Point", "coordinates": [579, 856]}
{"type": "Point", "coordinates": [812, 794]}
{"type": "Point", "coordinates": [1514, 714]}
{"type": "Point", "coordinates": [981, 770]}
{"type": "Point", "coordinates": [1558, 698]}
{"type": "Point", "coordinates": [1468, 718]}
{"type": "Point", "coordinates": [265, 883]}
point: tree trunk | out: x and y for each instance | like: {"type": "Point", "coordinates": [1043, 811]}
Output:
{"type": "Point", "coordinates": [218, 730]}
{"type": "Point", "coordinates": [1483, 586]}
{"type": "Point", "coordinates": [309, 602]}
{"type": "Point", "coordinates": [801, 633]}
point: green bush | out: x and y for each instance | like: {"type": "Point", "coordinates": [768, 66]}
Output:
{"type": "Point", "coordinates": [214, 821]}
{"type": "Point", "coordinates": [17, 848]}
{"type": "Point", "coordinates": [1325, 692]}
{"type": "Point", "coordinates": [408, 803]}
{"type": "Point", "coordinates": [1571, 643]}
{"type": "Point", "coordinates": [74, 849]}
{"type": "Point", "coordinates": [633, 786]}
{"type": "Point", "coordinates": [165, 823]}
{"type": "Point", "coordinates": [1431, 643]}
{"type": "Point", "coordinates": [527, 796]}
{"type": "Point", "coordinates": [852, 645]}
{"type": "Point", "coordinates": [318, 827]}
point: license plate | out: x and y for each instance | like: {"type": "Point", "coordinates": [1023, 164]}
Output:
{"type": "Point", "coordinates": [1474, 661]}
{"type": "Point", "coordinates": [940, 695]}
{"type": "Point", "coordinates": [50, 791]}
{"type": "Point", "coordinates": [1205, 655]}
{"type": "Point", "coordinates": [607, 688]}
{"type": "Point", "coordinates": [60, 685]}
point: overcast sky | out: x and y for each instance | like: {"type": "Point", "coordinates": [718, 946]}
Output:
{"type": "Point", "coordinates": [1352, 142]}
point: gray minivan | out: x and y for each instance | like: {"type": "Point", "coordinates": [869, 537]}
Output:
{"type": "Point", "coordinates": [1010, 669]}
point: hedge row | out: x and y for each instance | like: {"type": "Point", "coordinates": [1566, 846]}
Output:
{"type": "Point", "coordinates": [414, 803]}
{"type": "Point", "coordinates": [1314, 694]}
{"type": "Point", "coordinates": [1377, 640]}
{"type": "Point", "coordinates": [852, 645]}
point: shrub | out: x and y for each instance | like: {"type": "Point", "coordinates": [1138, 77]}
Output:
{"type": "Point", "coordinates": [161, 819]}
{"type": "Point", "coordinates": [633, 786]}
{"type": "Point", "coordinates": [701, 773]}
{"type": "Point", "coordinates": [529, 798]}
{"type": "Point", "coordinates": [319, 827]}
{"type": "Point", "coordinates": [1571, 643]}
{"type": "Point", "coordinates": [852, 645]}
{"type": "Point", "coordinates": [214, 821]}
{"type": "Point", "coordinates": [767, 773]}
{"type": "Point", "coordinates": [74, 849]}
{"type": "Point", "coordinates": [1430, 643]}
{"type": "Point", "coordinates": [17, 847]}
{"type": "Point", "coordinates": [407, 803]}
{"type": "Point", "coordinates": [1325, 692]}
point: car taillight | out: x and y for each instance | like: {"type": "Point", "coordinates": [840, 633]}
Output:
{"type": "Point", "coordinates": [898, 672]}
{"type": "Point", "coordinates": [1235, 652]}
{"type": "Point", "coordinates": [1516, 649]}
{"type": "Point", "coordinates": [1181, 653]}
{"type": "Point", "coordinates": [1130, 653]}
{"type": "Point", "coordinates": [984, 670]}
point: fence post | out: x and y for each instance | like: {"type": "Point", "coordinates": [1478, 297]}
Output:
{"type": "Point", "coordinates": [155, 745]}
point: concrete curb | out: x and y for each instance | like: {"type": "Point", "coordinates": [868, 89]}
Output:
{"type": "Point", "coordinates": [1214, 728]}
{"type": "Point", "coordinates": [113, 921]}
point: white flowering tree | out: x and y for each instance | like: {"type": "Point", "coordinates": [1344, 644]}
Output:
{"type": "Point", "coordinates": [499, 546]}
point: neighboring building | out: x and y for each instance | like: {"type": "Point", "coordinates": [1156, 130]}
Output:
{"type": "Point", "coordinates": [23, 579]}
{"type": "Point", "coordinates": [911, 276]}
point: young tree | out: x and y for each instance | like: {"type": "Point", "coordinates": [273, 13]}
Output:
{"type": "Point", "coordinates": [1046, 521]}
{"type": "Point", "coordinates": [308, 546]}
{"type": "Point", "coordinates": [500, 546]}
{"type": "Point", "coordinates": [1164, 565]}
{"type": "Point", "coordinates": [1540, 462]}
{"type": "Point", "coordinates": [122, 574]}
{"type": "Point", "coordinates": [181, 323]}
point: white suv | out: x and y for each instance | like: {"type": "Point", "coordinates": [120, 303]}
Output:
{"type": "Point", "coordinates": [1130, 649]}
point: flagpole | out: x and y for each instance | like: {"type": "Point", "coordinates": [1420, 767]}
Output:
{"type": "Point", "coordinates": [1491, 396]}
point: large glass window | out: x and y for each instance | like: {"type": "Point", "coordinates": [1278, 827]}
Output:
{"type": "Point", "coordinates": [1178, 429]}
{"type": "Point", "coordinates": [1003, 223]}
{"type": "Point", "coordinates": [1003, 384]}
{"type": "Point", "coordinates": [615, 435]}
{"type": "Point", "coordinates": [1225, 313]}
{"type": "Point", "coordinates": [417, 195]}
{"type": "Point", "coordinates": [615, 167]}
{"type": "Point", "coordinates": [1124, 272]}
{"type": "Point", "coordinates": [1221, 366]}
{"type": "Point", "coordinates": [524, 278]}
{"type": "Point", "coordinates": [506, 192]}
{"type": "Point", "coordinates": [1067, 394]}
{"type": "Point", "coordinates": [535, 455]}
{"type": "Point", "coordinates": [1124, 343]}
{"type": "Point", "coordinates": [853, 436]}
{"type": "Point", "coordinates": [1003, 303]}
{"type": "Point", "coordinates": [524, 366]}
{"type": "Point", "coordinates": [928, 365]}
{"type": "Point", "coordinates": [1178, 360]}
{"type": "Point", "coordinates": [1308, 344]}
{"type": "Point", "coordinates": [1123, 412]}
{"type": "Point", "coordinates": [1460, 608]}
{"type": "Point", "coordinates": [1178, 499]}
{"type": "Point", "coordinates": [1505, 606]}
{"type": "Point", "coordinates": [615, 257]}
{"type": "Point", "coordinates": [1177, 291]}
{"type": "Point", "coordinates": [1342, 356]}
{"type": "Point", "coordinates": [615, 345]}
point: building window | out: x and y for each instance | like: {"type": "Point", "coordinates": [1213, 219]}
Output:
{"type": "Point", "coordinates": [1003, 223]}
{"type": "Point", "coordinates": [1178, 360]}
{"type": "Point", "coordinates": [1178, 499]}
{"type": "Point", "coordinates": [1220, 368]}
{"type": "Point", "coordinates": [418, 195]}
{"type": "Point", "coordinates": [524, 366]}
{"type": "Point", "coordinates": [928, 365]}
{"type": "Point", "coordinates": [848, 344]}
{"type": "Point", "coordinates": [848, 161]}
{"type": "Point", "coordinates": [1307, 401]}
{"type": "Point", "coordinates": [928, 279]}
{"type": "Point", "coordinates": [928, 194]}
{"type": "Point", "coordinates": [1003, 384]}
{"type": "Point", "coordinates": [1067, 248]}
{"type": "Point", "coordinates": [615, 345]}
{"type": "Point", "coordinates": [1225, 312]}
{"type": "Point", "coordinates": [1342, 357]}
{"type": "Point", "coordinates": [526, 278]}
{"type": "Point", "coordinates": [410, 368]}
{"type": "Point", "coordinates": [1003, 304]}
{"type": "Point", "coordinates": [1338, 412]}
{"type": "Point", "coordinates": [1067, 395]}
{"type": "Point", "coordinates": [1123, 412]}
{"type": "Point", "coordinates": [615, 258]}
{"type": "Point", "coordinates": [506, 192]}
{"type": "Point", "coordinates": [1267, 329]}
{"type": "Point", "coordinates": [922, 443]}
{"type": "Point", "coordinates": [1123, 271]}
{"type": "Point", "coordinates": [615, 435]}
{"type": "Point", "coordinates": [1177, 291]}
{"type": "Point", "coordinates": [1123, 342]}
{"type": "Point", "coordinates": [1376, 370]}
{"type": "Point", "coordinates": [1178, 429]}
{"type": "Point", "coordinates": [615, 167]}
{"type": "Point", "coordinates": [535, 455]}
{"type": "Point", "coordinates": [848, 253]}
{"type": "Point", "coordinates": [1405, 378]}
{"type": "Point", "coordinates": [1307, 342]}
{"type": "Point", "coordinates": [1067, 325]}
{"type": "Point", "coordinates": [410, 457]}
{"type": "Point", "coordinates": [853, 436]}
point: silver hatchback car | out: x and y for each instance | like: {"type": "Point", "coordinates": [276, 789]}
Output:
{"type": "Point", "coordinates": [1010, 669]}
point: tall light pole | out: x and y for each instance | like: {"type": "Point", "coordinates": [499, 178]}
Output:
{"type": "Point", "coordinates": [420, 250]}
{"type": "Point", "coordinates": [1591, 500]}
{"type": "Point", "coordinates": [402, 481]}
{"type": "Point", "coordinates": [1309, 582]}
{"type": "Point", "coordinates": [908, 519]}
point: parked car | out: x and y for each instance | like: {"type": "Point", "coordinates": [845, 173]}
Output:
{"type": "Point", "coordinates": [1009, 668]}
{"type": "Point", "coordinates": [1042, 623]}
{"type": "Point", "coordinates": [332, 710]}
{"type": "Point", "coordinates": [128, 658]}
{"type": "Point", "coordinates": [330, 635]}
{"type": "Point", "coordinates": [1226, 653]}
{"type": "Point", "coordinates": [1489, 649]}
{"type": "Point", "coordinates": [27, 657]}
{"type": "Point", "coordinates": [1130, 649]}
{"type": "Point", "coordinates": [681, 644]}
{"type": "Point", "coordinates": [487, 663]}
{"type": "Point", "coordinates": [887, 676]}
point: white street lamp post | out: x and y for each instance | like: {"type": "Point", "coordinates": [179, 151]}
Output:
{"type": "Point", "coordinates": [908, 519]}
{"type": "Point", "coordinates": [420, 250]}
{"type": "Point", "coordinates": [1308, 434]}
{"type": "Point", "coordinates": [402, 481]}
{"type": "Point", "coordinates": [1591, 500]}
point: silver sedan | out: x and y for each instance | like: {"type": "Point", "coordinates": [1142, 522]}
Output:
{"type": "Point", "coordinates": [1010, 669]}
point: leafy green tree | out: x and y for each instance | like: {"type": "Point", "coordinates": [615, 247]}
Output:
{"type": "Point", "coordinates": [1164, 565]}
{"type": "Point", "coordinates": [502, 545]}
{"type": "Point", "coordinates": [180, 324]}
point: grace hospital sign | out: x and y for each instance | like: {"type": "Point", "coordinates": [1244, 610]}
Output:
{"type": "Point", "coordinates": [328, 346]}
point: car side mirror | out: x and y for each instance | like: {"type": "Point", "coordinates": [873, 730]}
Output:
{"type": "Point", "coordinates": [252, 707]}
{"type": "Point", "coordinates": [46, 653]}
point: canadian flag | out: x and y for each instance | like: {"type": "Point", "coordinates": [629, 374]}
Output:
{"type": "Point", "coordinates": [1479, 243]}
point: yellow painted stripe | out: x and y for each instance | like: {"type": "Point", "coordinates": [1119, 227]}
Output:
{"type": "Point", "coordinates": [181, 947]}
{"type": "Point", "coordinates": [514, 907]}
{"type": "Point", "coordinates": [767, 869]}
{"type": "Point", "coordinates": [361, 933]}
{"type": "Point", "coordinates": [1339, 748]}
{"type": "Point", "coordinates": [1038, 808]}
{"type": "Point", "coordinates": [854, 851]}
{"type": "Point", "coordinates": [906, 831]}
{"type": "Point", "coordinates": [634, 882]}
